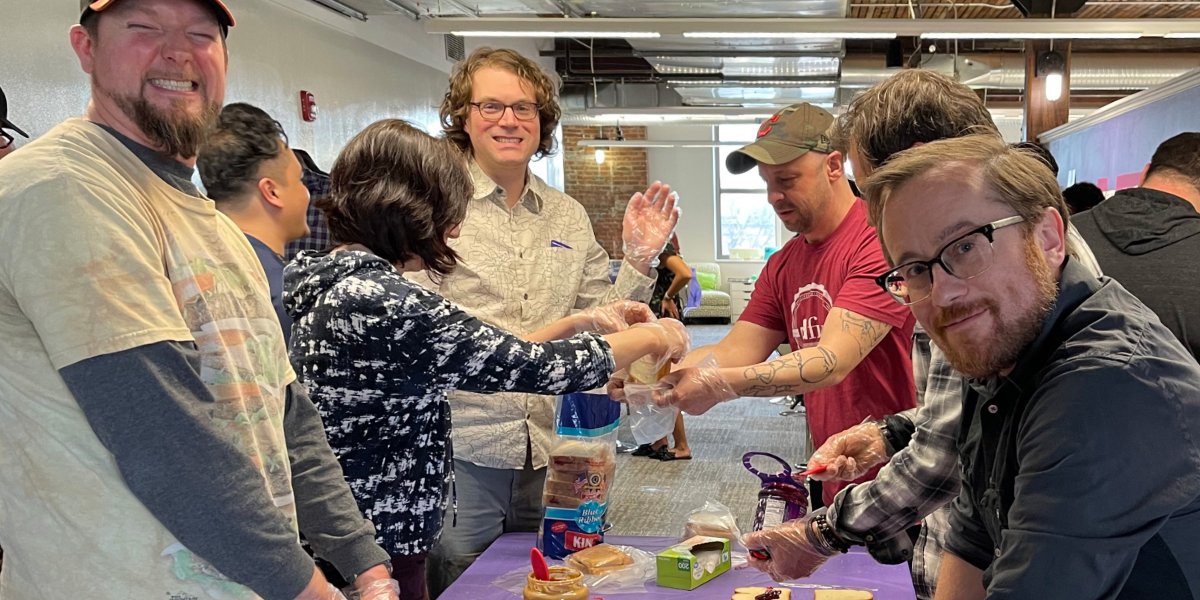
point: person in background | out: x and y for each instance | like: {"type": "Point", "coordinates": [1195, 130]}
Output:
{"type": "Point", "coordinates": [155, 437]}
{"type": "Point", "coordinates": [914, 107]}
{"type": "Point", "coordinates": [1148, 237]}
{"type": "Point", "coordinates": [397, 197]}
{"type": "Point", "coordinates": [1073, 380]}
{"type": "Point", "coordinates": [528, 257]}
{"type": "Point", "coordinates": [7, 142]}
{"type": "Point", "coordinates": [1082, 196]}
{"type": "Point", "coordinates": [254, 178]}
{"type": "Point", "coordinates": [850, 341]}
{"type": "Point", "coordinates": [317, 182]}
{"type": "Point", "coordinates": [673, 277]}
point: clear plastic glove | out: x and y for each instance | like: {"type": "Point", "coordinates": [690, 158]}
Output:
{"type": "Point", "coordinates": [792, 549]}
{"type": "Point", "coordinates": [614, 316]}
{"type": "Point", "coordinates": [650, 218]}
{"type": "Point", "coordinates": [322, 591]}
{"type": "Point", "coordinates": [675, 339]}
{"type": "Point", "coordinates": [850, 454]}
{"type": "Point", "coordinates": [616, 385]}
{"type": "Point", "coordinates": [694, 390]}
{"type": "Point", "coordinates": [380, 589]}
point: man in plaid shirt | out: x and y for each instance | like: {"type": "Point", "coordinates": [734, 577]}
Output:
{"type": "Point", "coordinates": [317, 182]}
{"type": "Point", "coordinates": [922, 476]}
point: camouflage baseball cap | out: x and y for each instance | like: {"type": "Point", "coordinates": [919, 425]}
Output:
{"type": "Point", "coordinates": [786, 136]}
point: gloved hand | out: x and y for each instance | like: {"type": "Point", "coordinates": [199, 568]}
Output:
{"type": "Point", "coordinates": [650, 218]}
{"type": "Point", "coordinates": [616, 385]}
{"type": "Point", "coordinates": [319, 588]}
{"type": "Point", "coordinates": [793, 549]}
{"type": "Point", "coordinates": [379, 589]}
{"type": "Point", "coordinates": [694, 390]}
{"type": "Point", "coordinates": [676, 342]}
{"type": "Point", "coordinates": [850, 454]}
{"type": "Point", "coordinates": [614, 316]}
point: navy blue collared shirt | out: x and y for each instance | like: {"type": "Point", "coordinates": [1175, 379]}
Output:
{"type": "Point", "coordinates": [1081, 469]}
{"type": "Point", "coordinates": [272, 263]}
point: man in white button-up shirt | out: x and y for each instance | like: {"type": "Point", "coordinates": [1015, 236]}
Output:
{"type": "Point", "coordinates": [528, 256]}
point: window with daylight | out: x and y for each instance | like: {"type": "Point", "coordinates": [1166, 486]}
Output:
{"type": "Point", "coordinates": [749, 229]}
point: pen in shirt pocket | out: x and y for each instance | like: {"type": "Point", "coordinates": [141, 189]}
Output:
{"type": "Point", "coordinates": [558, 244]}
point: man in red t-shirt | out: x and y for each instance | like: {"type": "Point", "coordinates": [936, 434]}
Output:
{"type": "Point", "coordinates": [850, 341]}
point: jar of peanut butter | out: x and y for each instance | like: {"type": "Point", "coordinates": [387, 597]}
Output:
{"type": "Point", "coordinates": [565, 584]}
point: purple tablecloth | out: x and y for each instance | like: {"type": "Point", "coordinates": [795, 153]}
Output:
{"type": "Point", "coordinates": [855, 569]}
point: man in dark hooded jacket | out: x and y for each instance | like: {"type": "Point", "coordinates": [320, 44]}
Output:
{"type": "Point", "coordinates": [1148, 238]}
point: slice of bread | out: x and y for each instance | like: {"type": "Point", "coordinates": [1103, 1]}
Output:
{"type": "Point", "coordinates": [599, 559]}
{"type": "Point", "coordinates": [762, 593]}
{"type": "Point", "coordinates": [843, 595]}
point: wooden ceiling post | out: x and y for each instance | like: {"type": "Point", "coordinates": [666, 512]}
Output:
{"type": "Point", "coordinates": [1042, 115]}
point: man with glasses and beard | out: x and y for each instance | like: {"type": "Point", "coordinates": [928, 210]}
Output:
{"type": "Point", "coordinates": [156, 442]}
{"type": "Point", "coordinates": [1080, 443]}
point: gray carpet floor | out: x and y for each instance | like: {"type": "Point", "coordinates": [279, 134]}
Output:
{"type": "Point", "coordinates": [652, 497]}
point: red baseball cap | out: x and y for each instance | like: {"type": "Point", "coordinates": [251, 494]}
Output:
{"type": "Point", "coordinates": [224, 16]}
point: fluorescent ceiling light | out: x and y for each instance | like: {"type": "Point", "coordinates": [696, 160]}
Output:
{"type": "Point", "coordinates": [560, 34]}
{"type": "Point", "coordinates": [801, 35]}
{"type": "Point", "coordinates": [748, 82]}
{"type": "Point", "coordinates": [1029, 35]}
{"type": "Point", "coordinates": [1182, 35]}
{"type": "Point", "coordinates": [655, 144]}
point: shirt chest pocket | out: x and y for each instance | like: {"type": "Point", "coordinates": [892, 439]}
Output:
{"type": "Point", "coordinates": [557, 277]}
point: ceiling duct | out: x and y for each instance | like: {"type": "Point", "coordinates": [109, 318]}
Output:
{"type": "Point", "coordinates": [580, 96]}
{"type": "Point", "coordinates": [1047, 7]}
{"type": "Point", "coordinates": [1007, 71]}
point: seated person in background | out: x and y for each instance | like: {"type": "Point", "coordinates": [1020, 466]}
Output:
{"type": "Point", "coordinates": [1082, 196]}
{"type": "Point", "coordinates": [378, 353]}
{"type": "Point", "coordinates": [254, 179]}
{"type": "Point", "coordinates": [1080, 441]}
{"type": "Point", "coordinates": [850, 340]}
{"type": "Point", "coordinates": [1148, 237]}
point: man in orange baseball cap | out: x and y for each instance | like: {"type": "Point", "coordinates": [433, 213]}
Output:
{"type": "Point", "coordinates": [222, 12]}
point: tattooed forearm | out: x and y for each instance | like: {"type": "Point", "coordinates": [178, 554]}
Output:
{"type": "Point", "coordinates": [779, 377]}
{"type": "Point", "coordinates": [867, 332]}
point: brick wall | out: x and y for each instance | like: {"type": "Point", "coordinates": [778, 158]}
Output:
{"type": "Point", "coordinates": [604, 190]}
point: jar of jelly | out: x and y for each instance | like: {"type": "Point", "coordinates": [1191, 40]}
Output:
{"type": "Point", "coordinates": [781, 498]}
{"type": "Point", "coordinates": [565, 583]}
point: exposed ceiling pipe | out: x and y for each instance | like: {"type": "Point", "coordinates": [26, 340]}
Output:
{"type": "Point", "coordinates": [1007, 71]}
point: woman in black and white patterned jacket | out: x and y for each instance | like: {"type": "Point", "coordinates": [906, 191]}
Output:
{"type": "Point", "coordinates": [379, 353]}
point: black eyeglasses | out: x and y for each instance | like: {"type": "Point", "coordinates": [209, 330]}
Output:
{"type": "Point", "coordinates": [6, 140]}
{"type": "Point", "coordinates": [966, 256]}
{"type": "Point", "coordinates": [494, 111]}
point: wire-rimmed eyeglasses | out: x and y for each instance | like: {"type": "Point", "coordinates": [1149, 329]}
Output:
{"type": "Point", "coordinates": [494, 111]}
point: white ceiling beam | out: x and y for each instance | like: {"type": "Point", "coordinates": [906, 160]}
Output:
{"type": "Point", "coordinates": [810, 28]}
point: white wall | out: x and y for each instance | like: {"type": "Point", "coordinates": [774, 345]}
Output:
{"type": "Point", "coordinates": [358, 71]}
{"type": "Point", "coordinates": [692, 173]}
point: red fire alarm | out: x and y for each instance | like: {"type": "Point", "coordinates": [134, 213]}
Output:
{"type": "Point", "coordinates": [308, 106]}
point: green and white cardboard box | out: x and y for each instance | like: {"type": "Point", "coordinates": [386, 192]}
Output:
{"type": "Point", "coordinates": [677, 567]}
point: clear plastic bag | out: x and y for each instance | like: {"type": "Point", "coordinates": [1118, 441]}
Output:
{"type": "Point", "coordinates": [647, 421]}
{"type": "Point", "coordinates": [630, 579]}
{"type": "Point", "coordinates": [583, 461]}
{"type": "Point", "coordinates": [713, 520]}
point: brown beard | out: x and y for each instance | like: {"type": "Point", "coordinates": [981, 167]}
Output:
{"type": "Point", "coordinates": [988, 358]}
{"type": "Point", "coordinates": [175, 132]}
